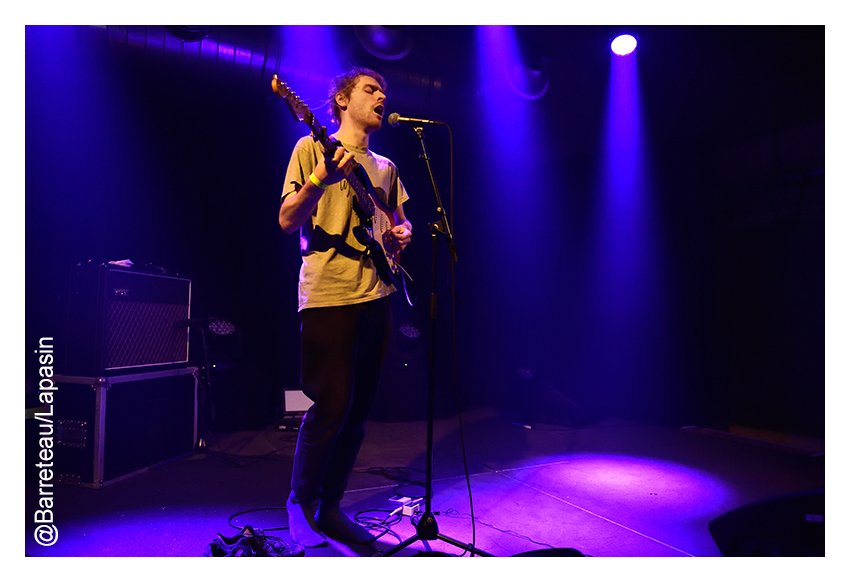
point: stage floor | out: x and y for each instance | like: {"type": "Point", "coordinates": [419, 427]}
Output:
{"type": "Point", "coordinates": [610, 489]}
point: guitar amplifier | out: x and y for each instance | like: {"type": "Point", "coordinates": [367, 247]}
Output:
{"type": "Point", "coordinates": [122, 321]}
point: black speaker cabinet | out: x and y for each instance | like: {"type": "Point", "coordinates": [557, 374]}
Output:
{"type": "Point", "coordinates": [110, 428]}
{"type": "Point", "coordinates": [789, 526]}
{"type": "Point", "coordinates": [123, 321]}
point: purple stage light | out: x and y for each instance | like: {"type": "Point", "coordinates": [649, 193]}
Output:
{"type": "Point", "coordinates": [504, 64]}
{"type": "Point", "coordinates": [311, 58]}
{"type": "Point", "coordinates": [666, 486]}
{"type": "Point", "coordinates": [623, 45]}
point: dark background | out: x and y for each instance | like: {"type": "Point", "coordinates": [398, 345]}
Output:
{"type": "Point", "coordinates": [169, 152]}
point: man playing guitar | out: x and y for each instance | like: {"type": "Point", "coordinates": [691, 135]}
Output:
{"type": "Point", "coordinates": [343, 300]}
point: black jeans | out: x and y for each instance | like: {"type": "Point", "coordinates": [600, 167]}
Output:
{"type": "Point", "coordinates": [342, 350]}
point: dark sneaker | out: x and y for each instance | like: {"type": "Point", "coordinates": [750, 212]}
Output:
{"type": "Point", "coordinates": [218, 548]}
{"type": "Point", "coordinates": [262, 545]}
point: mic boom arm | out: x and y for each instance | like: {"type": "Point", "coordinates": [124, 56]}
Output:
{"type": "Point", "coordinates": [395, 120]}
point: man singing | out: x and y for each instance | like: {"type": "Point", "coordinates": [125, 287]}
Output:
{"type": "Point", "coordinates": [343, 304]}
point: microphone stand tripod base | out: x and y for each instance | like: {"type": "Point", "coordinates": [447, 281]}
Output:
{"type": "Point", "coordinates": [428, 531]}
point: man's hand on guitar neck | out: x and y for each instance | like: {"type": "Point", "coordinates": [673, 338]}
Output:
{"type": "Point", "coordinates": [333, 169]}
{"type": "Point", "coordinates": [297, 208]}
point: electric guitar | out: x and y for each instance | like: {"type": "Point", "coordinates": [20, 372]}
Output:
{"type": "Point", "coordinates": [376, 218]}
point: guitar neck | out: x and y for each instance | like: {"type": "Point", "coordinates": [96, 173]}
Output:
{"type": "Point", "coordinates": [329, 146]}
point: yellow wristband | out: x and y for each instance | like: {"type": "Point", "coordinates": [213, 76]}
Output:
{"type": "Point", "coordinates": [318, 182]}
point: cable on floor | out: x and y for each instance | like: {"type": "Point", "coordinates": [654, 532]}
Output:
{"type": "Point", "coordinates": [456, 514]}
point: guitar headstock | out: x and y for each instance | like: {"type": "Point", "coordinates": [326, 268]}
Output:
{"type": "Point", "coordinates": [301, 112]}
{"type": "Point", "coordinates": [296, 106]}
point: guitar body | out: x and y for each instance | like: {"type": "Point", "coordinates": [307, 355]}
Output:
{"type": "Point", "coordinates": [376, 218]}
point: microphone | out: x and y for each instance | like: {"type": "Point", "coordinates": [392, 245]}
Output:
{"type": "Point", "coordinates": [395, 120]}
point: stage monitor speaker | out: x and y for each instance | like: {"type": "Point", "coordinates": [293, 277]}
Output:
{"type": "Point", "coordinates": [551, 553]}
{"type": "Point", "coordinates": [122, 321]}
{"type": "Point", "coordinates": [789, 526]}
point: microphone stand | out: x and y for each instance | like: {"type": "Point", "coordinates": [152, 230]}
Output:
{"type": "Point", "coordinates": [426, 528]}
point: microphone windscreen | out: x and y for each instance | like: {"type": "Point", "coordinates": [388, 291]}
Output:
{"type": "Point", "coordinates": [393, 119]}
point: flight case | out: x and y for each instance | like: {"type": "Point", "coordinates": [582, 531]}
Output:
{"type": "Point", "coordinates": [111, 428]}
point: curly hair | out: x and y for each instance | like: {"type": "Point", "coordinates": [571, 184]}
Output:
{"type": "Point", "coordinates": [344, 83]}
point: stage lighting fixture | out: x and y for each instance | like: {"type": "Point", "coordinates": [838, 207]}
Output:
{"type": "Point", "coordinates": [623, 45]}
{"type": "Point", "coordinates": [410, 331]}
{"type": "Point", "coordinates": [388, 43]}
{"type": "Point", "coordinates": [221, 327]}
{"type": "Point", "coordinates": [189, 33]}
{"type": "Point", "coordinates": [529, 83]}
